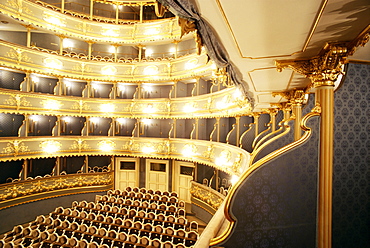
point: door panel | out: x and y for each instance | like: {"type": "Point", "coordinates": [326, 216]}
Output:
{"type": "Point", "coordinates": [126, 173]}
{"type": "Point", "coordinates": [182, 179]}
{"type": "Point", "coordinates": [157, 174]}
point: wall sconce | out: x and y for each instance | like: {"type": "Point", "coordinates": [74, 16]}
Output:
{"type": "Point", "coordinates": [189, 107]}
{"type": "Point", "coordinates": [106, 145]}
{"type": "Point", "coordinates": [224, 159]}
{"type": "Point", "coordinates": [151, 70]}
{"type": "Point", "coordinates": [51, 104]}
{"type": "Point", "coordinates": [33, 122]}
{"type": "Point", "coordinates": [108, 70]}
{"type": "Point", "coordinates": [148, 148]}
{"type": "Point", "coordinates": [119, 123]}
{"type": "Point", "coordinates": [145, 122]}
{"type": "Point", "coordinates": [191, 64]}
{"type": "Point", "coordinates": [189, 150]}
{"type": "Point", "coordinates": [53, 63]}
{"type": "Point", "coordinates": [93, 123]}
{"type": "Point", "coordinates": [234, 179]}
{"type": "Point", "coordinates": [107, 107]}
{"type": "Point", "coordinates": [50, 146]}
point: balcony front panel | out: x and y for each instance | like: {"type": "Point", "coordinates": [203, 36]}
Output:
{"type": "Point", "coordinates": [53, 186]}
{"type": "Point", "coordinates": [224, 103]}
{"type": "Point", "coordinates": [230, 159]}
{"type": "Point", "coordinates": [62, 24]}
{"type": "Point", "coordinates": [30, 60]}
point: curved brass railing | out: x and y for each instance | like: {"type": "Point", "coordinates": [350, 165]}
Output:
{"type": "Point", "coordinates": [307, 134]}
{"type": "Point", "coordinates": [53, 186]}
{"type": "Point", "coordinates": [30, 60]}
{"type": "Point", "coordinates": [72, 26]}
{"type": "Point", "coordinates": [19, 102]}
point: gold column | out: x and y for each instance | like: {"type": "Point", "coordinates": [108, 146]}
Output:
{"type": "Point", "coordinates": [91, 9]}
{"type": "Point", "coordinates": [62, 7]}
{"type": "Point", "coordinates": [323, 71]}
{"type": "Point", "coordinates": [141, 11]}
{"type": "Point", "coordinates": [325, 98]}
{"type": "Point", "coordinates": [117, 13]}
{"type": "Point", "coordinates": [174, 128]}
{"type": "Point", "coordinates": [140, 51]}
{"type": "Point", "coordinates": [218, 128]}
{"type": "Point", "coordinates": [197, 128]}
{"type": "Point", "coordinates": [256, 117]}
{"type": "Point", "coordinates": [237, 122]}
{"type": "Point", "coordinates": [61, 38]}
{"type": "Point", "coordinates": [90, 48]}
{"type": "Point", "coordinates": [29, 28]}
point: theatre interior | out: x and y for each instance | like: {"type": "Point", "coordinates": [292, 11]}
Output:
{"type": "Point", "coordinates": [185, 123]}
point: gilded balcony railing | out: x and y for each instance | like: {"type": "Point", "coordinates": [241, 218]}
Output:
{"type": "Point", "coordinates": [227, 158]}
{"type": "Point", "coordinates": [77, 26]}
{"type": "Point", "coordinates": [31, 60]}
{"type": "Point", "coordinates": [206, 197]}
{"type": "Point", "coordinates": [52, 186]}
{"type": "Point", "coordinates": [19, 102]}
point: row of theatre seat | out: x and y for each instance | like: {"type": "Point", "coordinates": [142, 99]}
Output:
{"type": "Point", "coordinates": [118, 219]}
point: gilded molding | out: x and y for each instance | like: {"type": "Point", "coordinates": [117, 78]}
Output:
{"type": "Point", "coordinates": [224, 157]}
{"type": "Point", "coordinates": [323, 69]}
{"type": "Point", "coordinates": [20, 102]}
{"type": "Point", "coordinates": [206, 195]}
{"type": "Point", "coordinates": [33, 61]}
{"type": "Point", "coordinates": [82, 27]}
{"type": "Point", "coordinates": [16, 193]}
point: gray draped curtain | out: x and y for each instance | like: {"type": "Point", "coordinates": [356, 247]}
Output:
{"type": "Point", "coordinates": [215, 50]}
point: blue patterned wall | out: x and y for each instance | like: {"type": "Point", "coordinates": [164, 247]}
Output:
{"type": "Point", "coordinates": [351, 188]}
{"type": "Point", "coordinates": [276, 205]}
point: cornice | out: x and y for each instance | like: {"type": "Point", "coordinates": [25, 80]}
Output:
{"type": "Point", "coordinates": [76, 25]}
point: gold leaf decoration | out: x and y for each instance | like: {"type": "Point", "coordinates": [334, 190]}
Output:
{"type": "Point", "coordinates": [15, 147]}
{"type": "Point", "coordinates": [17, 54]}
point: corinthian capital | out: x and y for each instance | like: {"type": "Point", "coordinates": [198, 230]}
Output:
{"type": "Point", "coordinates": [322, 69]}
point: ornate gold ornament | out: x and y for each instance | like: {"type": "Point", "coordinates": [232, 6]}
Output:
{"type": "Point", "coordinates": [81, 106]}
{"type": "Point", "coordinates": [322, 69]}
{"type": "Point", "coordinates": [206, 195]}
{"type": "Point", "coordinates": [79, 145]}
{"type": "Point", "coordinates": [18, 4]}
{"type": "Point", "coordinates": [82, 67]}
{"type": "Point", "coordinates": [209, 154]}
{"type": "Point", "coordinates": [18, 101]}
{"type": "Point", "coordinates": [293, 96]}
{"type": "Point", "coordinates": [84, 27]}
{"type": "Point", "coordinates": [17, 54]}
{"type": "Point", "coordinates": [15, 147]}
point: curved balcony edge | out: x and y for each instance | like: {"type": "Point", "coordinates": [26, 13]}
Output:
{"type": "Point", "coordinates": [16, 193]}
{"type": "Point", "coordinates": [224, 103]}
{"type": "Point", "coordinates": [228, 158]}
{"type": "Point", "coordinates": [33, 61]}
{"type": "Point", "coordinates": [67, 25]}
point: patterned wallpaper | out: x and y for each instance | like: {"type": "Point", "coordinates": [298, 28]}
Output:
{"type": "Point", "coordinates": [351, 188]}
{"type": "Point", "coordinates": [276, 205]}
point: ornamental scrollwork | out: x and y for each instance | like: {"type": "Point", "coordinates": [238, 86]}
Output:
{"type": "Point", "coordinates": [18, 101]}
{"type": "Point", "coordinates": [79, 145]}
{"type": "Point", "coordinates": [17, 54]}
{"type": "Point", "coordinates": [15, 147]}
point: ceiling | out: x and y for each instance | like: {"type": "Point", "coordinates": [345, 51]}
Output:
{"type": "Point", "coordinates": [257, 33]}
